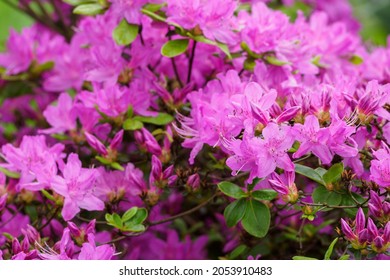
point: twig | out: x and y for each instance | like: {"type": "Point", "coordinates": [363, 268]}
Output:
{"type": "Point", "coordinates": [191, 62]}
{"type": "Point", "coordinates": [184, 213]}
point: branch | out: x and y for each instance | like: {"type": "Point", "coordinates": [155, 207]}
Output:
{"type": "Point", "coordinates": [185, 213]}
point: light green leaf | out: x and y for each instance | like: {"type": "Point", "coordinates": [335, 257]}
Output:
{"type": "Point", "coordinates": [330, 249]}
{"type": "Point", "coordinates": [174, 48]}
{"type": "Point", "coordinates": [125, 33]}
{"type": "Point", "coordinates": [132, 124]}
{"type": "Point", "coordinates": [134, 228]}
{"type": "Point", "coordinates": [303, 258]}
{"type": "Point", "coordinates": [89, 9]}
{"type": "Point", "coordinates": [357, 60]}
{"type": "Point", "coordinates": [234, 212]}
{"type": "Point", "coordinates": [10, 174]}
{"type": "Point", "coordinates": [117, 166]}
{"type": "Point", "coordinates": [257, 218]}
{"type": "Point", "coordinates": [232, 190]}
{"type": "Point", "coordinates": [129, 214]}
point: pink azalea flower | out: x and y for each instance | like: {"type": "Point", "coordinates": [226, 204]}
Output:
{"type": "Point", "coordinates": [380, 167]}
{"type": "Point", "coordinates": [89, 250]}
{"type": "Point", "coordinates": [36, 162]}
{"type": "Point", "coordinates": [76, 186]}
{"type": "Point", "coordinates": [313, 139]}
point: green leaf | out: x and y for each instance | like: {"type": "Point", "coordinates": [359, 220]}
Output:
{"type": "Point", "coordinates": [239, 250]}
{"type": "Point", "coordinates": [303, 258]}
{"type": "Point", "coordinates": [355, 59]}
{"type": "Point", "coordinates": [330, 249]}
{"type": "Point", "coordinates": [89, 9]}
{"type": "Point", "coordinates": [322, 195]}
{"type": "Point", "coordinates": [344, 257]}
{"type": "Point", "coordinates": [109, 218]}
{"type": "Point", "coordinates": [334, 173]}
{"type": "Point", "coordinates": [139, 217]}
{"type": "Point", "coordinates": [132, 124]}
{"type": "Point", "coordinates": [38, 69]}
{"type": "Point", "coordinates": [234, 212]}
{"type": "Point", "coordinates": [274, 61]}
{"type": "Point", "coordinates": [134, 228]}
{"type": "Point", "coordinates": [347, 200]}
{"type": "Point", "coordinates": [174, 48]}
{"type": "Point", "coordinates": [309, 173]}
{"type": "Point", "coordinates": [117, 166]}
{"type": "Point", "coordinates": [103, 160]}
{"type": "Point", "coordinates": [129, 214]}
{"type": "Point", "coordinates": [125, 33]}
{"type": "Point", "coordinates": [257, 218]}
{"type": "Point", "coordinates": [249, 64]}
{"type": "Point", "coordinates": [160, 119]}
{"type": "Point", "coordinates": [154, 7]}
{"type": "Point", "coordinates": [8, 236]}
{"type": "Point", "coordinates": [78, 2]}
{"type": "Point", "coordinates": [232, 190]}
{"type": "Point", "coordinates": [117, 221]}
{"type": "Point", "coordinates": [264, 194]}
{"type": "Point", "coordinates": [10, 174]}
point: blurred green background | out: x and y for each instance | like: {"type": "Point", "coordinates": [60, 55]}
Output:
{"type": "Point", "coordinates": [374, 16]}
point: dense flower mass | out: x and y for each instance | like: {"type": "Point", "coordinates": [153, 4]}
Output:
{"type": "Point", "coordinates": [186, 129]}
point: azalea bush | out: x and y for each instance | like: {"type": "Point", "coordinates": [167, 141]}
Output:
{"type": "Point", "coordinates": [193, 129]}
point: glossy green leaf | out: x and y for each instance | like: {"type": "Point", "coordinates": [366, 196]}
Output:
{"type": "Point", "coordinates": [264, 194]}
{"type": "Point", "coordinates": [309, 173]}
{"type": "Point", "coordinates": [117, 166]}
{"type": "Point", "coordinates": [231, 190]}
{"type": "Point", "coordinates": [322, 195]}
{"type": "Point", "coordinates": [125, 33]}
{"type": "Point", "coordinates": [134, 228]}
{"type": "Point", "coordinates": [234, 212]}
{"type": "Point", "coordinates": [174, 48]}
{"type": "Point", "coordinates": [257, 218]}
{"type": "Point", "coordinates": [139, 217]}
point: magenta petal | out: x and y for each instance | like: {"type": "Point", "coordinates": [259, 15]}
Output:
{"type": "Point", "coordinates": [69, 210]}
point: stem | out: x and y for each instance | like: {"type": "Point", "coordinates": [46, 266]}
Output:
{"type": "Point", "coordinates": [334, 206]}
{"type": "Point", "coordinates": [176, 72]}
{"type": "Point", "coordinates": [191, 61]}
{"type": "Point", "coordinates": [49, 220]}
{"type": "Point", "coordinates": [196, 208]}
{"type": "Point", "coordinates": [87, 220]}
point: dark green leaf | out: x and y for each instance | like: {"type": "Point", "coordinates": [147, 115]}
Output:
{"type": "Point", "coordinates": [237, 252]}
{"type": "Point", "coordinates": [330, 249]}
{"type": "Point", "coordinates": [264, 194]}
{"type": "Point", "coordinates": [125, 33]}
{"type": "Point", "coordinates": [234, 212]}
{"type": "Point", "coordinates": [231, 190]}
{"type": "Point", "coordinates": [132, 124]}
{"type": "Point", "coordinates": [334, 173]}
{"type": "Point", "coordinates": [174, 48]}
{"type": "Point", "coordinates": [309, 173]}
{"type": "Point", "coordinates": [129, 214]}
{"type": "Point", "coordinates": [160, 119]}
{"type": "Point", "coordinates": [257, 218]}
{"type": "Point", "coordinates": [89, 9]}
{"type": "Point", "coordinates": [322, 195]}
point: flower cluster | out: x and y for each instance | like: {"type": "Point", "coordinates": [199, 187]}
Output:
{"type": "Point", "coordinates": [127, 129]}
